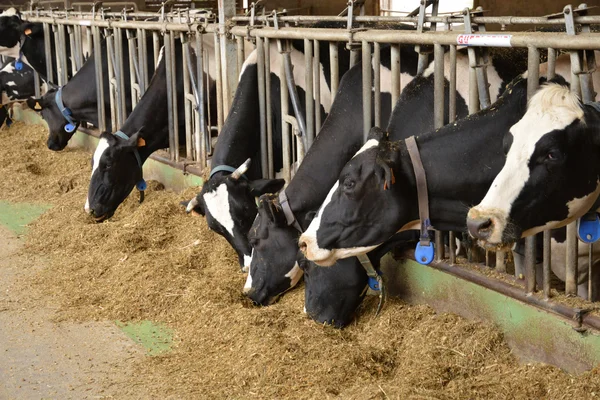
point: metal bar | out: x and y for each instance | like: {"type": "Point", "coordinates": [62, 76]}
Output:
{"type": "Point", "coordinates": [309, 103]}
{"type": "Point", "coordinates": [262, 106]}
{"type": "Point", "coordinates": [396, 76]}
{"type": "Point", "coordinates": [203, 142]}
{"type": "Point", "coordinates": [285, 128]}
{"type": "Point", "coordinates": [36, 84]}
{"type": "Point", "coordinates": [73, 49]}
{"type": "Point", "coordinates": [111, 80]}
{"type": "Point", "coordinates": [551, 63]}
{"type": "Point", "coordinates": [377, 83]}
{"type": "Point", "coordinates": [571, 260]}
{"type": "Point", "coordinates": [452, 88]}
{"type": "Point", "coordinates": [167, 55]}
{"type": "Point", "coordinates": [335, 68]}
{"type": "Point", "coordinates": [220, 108]}
{"type": "Point", "coordinates": [517, 39]}
{"type": "Point", "coordinates": [227, 9]}
{"type": "Point", "coordinates": [547, 262]}
{"type": "Point", "coordinates": [174, 106]}
{"type": "Point", "coordinates": [155, 48]}
{"type": "Point", "coordinates": [270, 174]}
{"type": "Point", "coordinates": [120, 70]}
{"type": "Point", "coordinates": [452, 247]}
{"type": "Point", "coordinates": [188, 70]}
{"type": "Point", "coordinates": [366, 89]}
{"type": "Point", "coordinates": [317, 81]}
{"type": "Point", "coordinates": [59, 50]}
{"type": "Point", "coordinates": [48, 51]}
{"type": "Point", "coordinates": [590, 272]}
{"type": "Point", "coordinates": [99, 78]}
{"type": "Point", "coordinates": [438, 111]}
{"type": "Point", "coordinates": [134, 70]}
{"type": "Point", "coordinates": [241, 55]}
{"type": "Point", "coordinates": [142, 57]}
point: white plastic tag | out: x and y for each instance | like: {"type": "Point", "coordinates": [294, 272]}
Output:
{"type": "Point", "coordinates": [484, 40]}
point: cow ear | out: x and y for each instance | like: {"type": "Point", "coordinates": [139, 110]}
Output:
{"type": "Point", "coordinates": [377, 134]}
{"type": "Point", "coordinates": [31, 30]}
{"type": "Point", "coordinates": [259, 187]}
{"type": "Point", "coordinates": [136, 140]}
{"type": "Point", "coordinates": [35, 104]}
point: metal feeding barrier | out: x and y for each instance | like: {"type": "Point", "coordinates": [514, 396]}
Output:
{"type": "Point", "coordinates": [223, 44]}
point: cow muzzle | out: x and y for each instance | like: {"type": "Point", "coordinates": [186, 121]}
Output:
{"type": "Point", "coordinates": [486, 226]}
{"type": "Point", "coordinates": [323, 257]}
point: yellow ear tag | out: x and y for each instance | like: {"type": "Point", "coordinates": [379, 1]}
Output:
{"type": "Point", "coordinates": [37, 106]}
{"type": "Point", "coordinates": [141, 142]}
{"type": "Point", "coordinates": [27, 32]}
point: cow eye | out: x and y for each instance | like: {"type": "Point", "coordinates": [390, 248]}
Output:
{"type": "Point", "coordinates": [348, 184]}
{"type": "Point", "coordinates": [553, 155]}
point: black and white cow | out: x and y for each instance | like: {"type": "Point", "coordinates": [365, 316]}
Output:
{"type": "Point", "coordinates": [228, 200]}
{"type": "Point", "coordinates": [116, 168]}
{"type": "Point", "coordinates": [14, 85]}
{"type": "Point", "coordinates": [80, 97]}
{"type": "Point", "coordinates": [551, 175]}
{"type": "Point", "coordinates": [275, 244]}
{"type": "Point", "coordinates": [376, 196]}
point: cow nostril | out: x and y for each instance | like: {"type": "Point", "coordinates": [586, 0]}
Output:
{"type": "Point", "coordinates": [302, 246]}
{"type": "Point", "coordinates": [480, 228]}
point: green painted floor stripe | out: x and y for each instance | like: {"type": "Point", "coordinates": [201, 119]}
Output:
{"type": "Point", "coordinates": [16, 216]}
{"type": "Point", "coordinates": [155, 338]}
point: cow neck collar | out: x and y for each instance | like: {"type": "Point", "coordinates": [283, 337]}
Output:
{"type": "Point", "coordinates": [421, 254]}
{"type": "Point", "coordinates": [287, 211]}
{"type": "Point", "coordinates": [65, 111]}
{"type": "Point", "coordinates": [224, 168]}
{"type": "Point", "coordinates": [141, 184]}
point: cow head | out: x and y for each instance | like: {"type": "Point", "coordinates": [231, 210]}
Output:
{"type": "Point", "coordinates": [362, 209]}
{"type": "Point", "coordinates": [10, 32]}
{"type": "Point", "coordinates": [59, 133]}
{"type": "Point", "coordinates": [115, 172]}
{"type": "Point", "coordinates": [228, 202]}
{"type": "Point", "coordinates": [276, 260]}
{"type": "Point", "coordinates": [332, 295]}
{"type": "Point", "coordinates": [551, 174]}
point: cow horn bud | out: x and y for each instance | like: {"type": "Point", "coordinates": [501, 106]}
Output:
{"type": "Point", "coordinates": [241, 170]}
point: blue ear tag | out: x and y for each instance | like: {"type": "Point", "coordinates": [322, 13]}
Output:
{"type": "Point", "coordinates": [424, 253]}
{"type": "Point", "coordinates": [588, 228]}
{"type": "Point", "coordinates": [18, 65]}
{"type": "Point", "coordinates": [141, 185]}
{"type": "Point", "coordinates": [70, 128]}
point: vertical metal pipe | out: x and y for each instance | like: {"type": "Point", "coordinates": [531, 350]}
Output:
{"type": "Point", "coordinates": [571, 260]}
{"type": "Point", "coordinates": [354, 57]}
{"type": "Point", "coordinates": [270, 170]}
{"type": "Point", "coordinates": [73, 47]}
{"type": "Point", "coordinates": [167, 54]}
{"type": "Point", "coordinates": [174, 106]}
{"type": "Point", "coordinates": [473, 91]}
{"type": "Point", "coordinates": [551, 63]}
{"type": "Point", "coordinates": [48, 53]}
{"type": "Point", "coordinates": [590, 271]}
{"type": "Point", "coordinates": [142, 57]}
{"type": "Point", "coordinates": [36, 84]}
{"type": "Point", "coordinates": [58, 49]}
{"type": "Point", "coordinates": [134, 75]}
{"type": "Point", "coordinates": [396, 77]}
{"type": "Point", "coordinates": [309, 87]}
{"type": "Point", "coordinates": [438, 111]}
{"type": "Point", "coordinates": [220, 116]}
{"type": "Point", "coordinates": [285, 128]}
{"type": "Point", "coordinates": [533, 70]}
{"type": "Point", "coordinates": [120, 70]}
{"type": "Point", "coordinates": [203, 139]}
{"type": "Point", "coordinates": [317, 81]}
{"type": "Point", "coordinates": [99, 78]}
{"type": "Point", "coordinates": [241, 54]}
{"type": "Point", "coordinates": [155, 47]}
{"type": "Point", "coordinates": [187, 105]}
{"type": "Point", "coordinates": [111, 80]}
{"type": "Point", "coordinates": [366, 89]}
{"type": "Point", "coordinates": [452, 247]}
{"type": "Point", "coordinates": [501, 261]}
{"type": "Point", "coordinates": [452, 89]}
{"type": "Point", "coordinates": [335, 68]}
{"type": "Point", "coordinates": [547, 262]}
{"type": "Point", "coordinates": [227, 10]}
{"type": "Point", "coordinates": [377, 83]}
{"type": "Point", "coordinates": [262, 106]}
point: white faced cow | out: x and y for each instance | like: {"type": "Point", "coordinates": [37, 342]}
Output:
{"type": "Point", "coordinates": [551, 175]}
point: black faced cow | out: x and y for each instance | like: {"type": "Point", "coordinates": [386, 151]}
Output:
{"type": "Point", "coordinates": [228, 200]}
{"type": "Point", "coordinates": [375, 195]}
{"type": "Point", "coordinates": [274, 243]}
{"type": "Point", "coordinates": [551, 175]}
{"type": "Point", "coordinates": [117, 161]}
